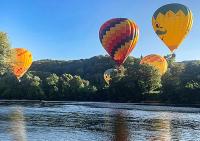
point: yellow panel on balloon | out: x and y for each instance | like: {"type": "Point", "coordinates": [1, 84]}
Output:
{"type": "Point", "coordinates": [21, 61]}
{"type": "Point", "coordinates": [156, 61]}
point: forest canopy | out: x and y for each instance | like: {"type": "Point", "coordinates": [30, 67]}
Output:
{"type": "Point", "coordinates": [82, 80]}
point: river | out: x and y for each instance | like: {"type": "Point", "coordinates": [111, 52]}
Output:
{"type": "Point", "coordinates": [90, 121]}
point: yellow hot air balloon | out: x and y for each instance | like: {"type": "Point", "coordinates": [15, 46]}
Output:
{"type": "Point", "coordinates": [156, 61]}
{"type": "Point", "coordinates": [21, 61]}
{"type": "Point", "coordinates": [108, 74]}
{"type": "Point", "coordinates": [172, 23]}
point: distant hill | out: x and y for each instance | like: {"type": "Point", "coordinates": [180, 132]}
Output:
{"type": "Point", "coordinates": [91, 69]}
{"type": "Point", "coordinates": [95, 64]}
{"type": "Point", "coordinates": [191, 61]}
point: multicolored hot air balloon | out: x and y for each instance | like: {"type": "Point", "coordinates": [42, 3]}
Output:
{"type": "Point", "coordinates": [108, 75]}
{"type": "Point", "coordinates": [156, 61]}
{"type": "Point", "coordinates": [119, 37]}
{"type": "Point", "coordinates": [172, 23]}
{"type": "Point", "coordinates": [21, 61]}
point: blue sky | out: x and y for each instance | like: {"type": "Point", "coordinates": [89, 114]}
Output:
{"type": "Point", "coordinates": [68, 29]}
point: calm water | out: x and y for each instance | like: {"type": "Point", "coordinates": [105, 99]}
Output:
{"type": "Point", "coordinates": [97, 122]}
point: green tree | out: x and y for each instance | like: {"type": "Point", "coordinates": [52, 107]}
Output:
{"type": "Point", "coordinates": [171, 83]}
{"type": "Point", "coordinates": [9, 88]}
{"type": "Point", "coordinates": [51, 86]}
{"type": "Point", "coordinates": [64, 86]}
{"type": "Point", "coordinates": [5, 53]}
{"type": "Point", "coordinates": [135, 83]}
{"type": "Point", "coordinates": [171, 58]}
{"type": "Point", "coordinates": [148, 79]}
{"type": "Point", "coordinates": [32, 87]}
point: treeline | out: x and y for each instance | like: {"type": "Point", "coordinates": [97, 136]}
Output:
{"type": "Point", "coordinates": [82, 80]}
{"type": "Point", "coordinates": [48, 87]}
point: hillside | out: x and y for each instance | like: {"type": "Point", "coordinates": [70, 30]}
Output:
{"type": "Point", "coordinates": [91, 69]}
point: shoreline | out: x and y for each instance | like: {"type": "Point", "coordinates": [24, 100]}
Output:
{"type": "Point", "coordinates": [106, 102]}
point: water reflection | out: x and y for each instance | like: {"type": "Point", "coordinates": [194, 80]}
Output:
{"type": "Point", "coordinates": [17, 125]}
{"type": "Point", "coordinates": [162, 128]}
{"type": "Point", "coordinates": [91, 122]}
{"type": "Point", "coordinates": [120, 128]}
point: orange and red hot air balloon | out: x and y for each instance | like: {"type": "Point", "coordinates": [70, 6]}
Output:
{"type": "Point", "coordinates": [156, 61]}
{"type": "Point", "coordinates": [21, 61]}
{"type": "Point", "coordinates": [119, 37]}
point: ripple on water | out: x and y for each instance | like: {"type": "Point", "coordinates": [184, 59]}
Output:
{"type": "Point", "coordinates": [102, 122]}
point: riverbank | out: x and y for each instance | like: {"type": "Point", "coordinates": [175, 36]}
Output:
{"type": "Point", "coordinates": [106, 103]}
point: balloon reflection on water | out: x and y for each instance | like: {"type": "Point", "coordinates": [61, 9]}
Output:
{"type": "Point", "coordinates": [120, 127]}
{"type": "Point", "coordinates": [17, 124]}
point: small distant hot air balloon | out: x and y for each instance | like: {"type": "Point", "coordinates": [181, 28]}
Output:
{"type": "Point", "coordinates": [119, 37]}
{"type": "Point", "coordinates": [156, 61]}
{"type": "Point", "coordinates": [172, 23]}
{"type": "Point", "coordinates": [108, 75]}
{"type": "Point", "coordinates": [21, 61]}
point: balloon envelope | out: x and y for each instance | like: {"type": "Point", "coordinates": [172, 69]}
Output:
{"type": "Point", "coordinates": [172, 22]}
{"type": "Point", "coordinates": [156, 61]}
{"type": "Point", "coordinates": [119, 37]}
{"type": "Point", "coordinates": [108, 74]}
{"type": "Point", "coordinates": [21, 61]}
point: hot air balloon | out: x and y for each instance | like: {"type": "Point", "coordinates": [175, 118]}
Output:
{"type": "Point", "coordinates": [118, 37]}
{"type": "Point", "coordinates": [172, 23]}
{"type": "Point", "coordinates": [108, 75]}
{"type": "Point", "coordinates": [156, 61]}
{"type": "Point", "coordinates": [21, 61]}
